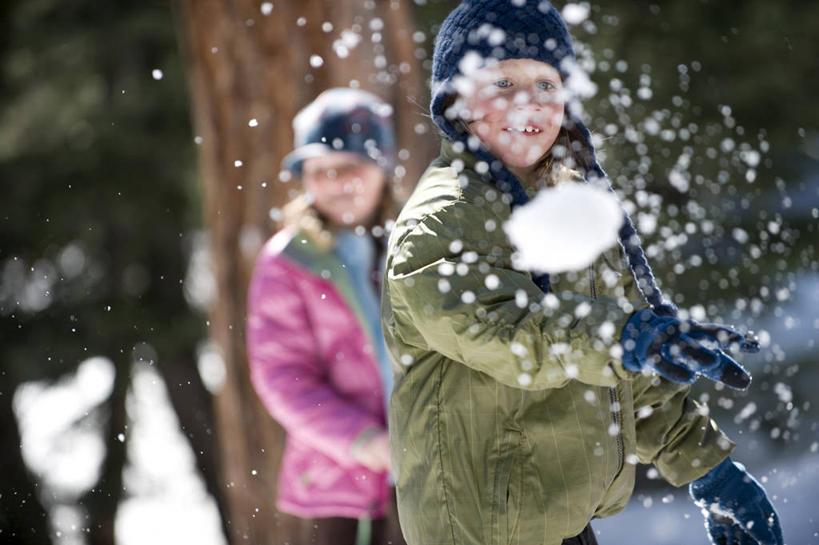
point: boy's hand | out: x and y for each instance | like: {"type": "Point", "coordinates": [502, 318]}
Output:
{"type": "Point", "coordinates": [680, 350]}
{"type": "Point", "coordinates": [735, 507]}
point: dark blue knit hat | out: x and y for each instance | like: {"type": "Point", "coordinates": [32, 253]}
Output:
{"type": "Point", "coordinates": [343, 119]}
{"type": "Point", "coordinates": [478, 31]}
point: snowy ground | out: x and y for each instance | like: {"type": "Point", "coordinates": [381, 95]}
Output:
{"type": "Point", "coordinates": [166, 502]}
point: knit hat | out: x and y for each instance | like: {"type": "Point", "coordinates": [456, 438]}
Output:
{"type": "Point", "coordinates": [479, 32]}
{"type": "Point", "coordinates": [347, 120]}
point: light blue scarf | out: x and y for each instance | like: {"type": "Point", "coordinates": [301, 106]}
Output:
{"type": "Point", "coordinates": [356, 254]}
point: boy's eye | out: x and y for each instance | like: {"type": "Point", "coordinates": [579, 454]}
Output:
{"type": "Point", "coordinates": [503, 83]}
{"type": "Point", "coordinates": [545, 86]}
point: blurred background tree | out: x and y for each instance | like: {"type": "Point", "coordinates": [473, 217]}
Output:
{"type": "Point", "coordinates": [705, 116]}
{"type": "Point", "coordinates": [98, 205]}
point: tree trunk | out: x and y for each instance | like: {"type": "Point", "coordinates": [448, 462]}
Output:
{"type": "Point", "coordinates": [102, 501]}
{"type": "Point", "coordinates": [193, 406]}
{"type": "Point", "coordinates": [247, 63]}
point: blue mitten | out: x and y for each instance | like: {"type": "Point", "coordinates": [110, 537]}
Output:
{"type": "Point", "coordinates": [735, 507]}
{"type": "Point", "coordinates": [679, 350]}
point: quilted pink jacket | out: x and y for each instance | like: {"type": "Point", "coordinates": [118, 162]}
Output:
{"type": "Point", "coordinates": [313, 367]}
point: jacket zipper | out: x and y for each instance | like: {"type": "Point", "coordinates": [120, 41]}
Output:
{"type": "Point", "coordinates": [615, 402]}
{"type": "Point", "coordinates": [615, 418]}
{"type": "Point", "coordinates": [592, 287]}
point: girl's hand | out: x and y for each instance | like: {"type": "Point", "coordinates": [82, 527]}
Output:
{"type": "Point", "coordinates": [680, 350]}
{"type": "Point", "coordinates": [372, 450]}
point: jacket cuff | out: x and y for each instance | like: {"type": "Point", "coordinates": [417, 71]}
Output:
{"type": "Point", "coordinates": [694, 453]}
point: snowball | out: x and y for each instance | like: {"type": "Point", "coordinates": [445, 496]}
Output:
{"type": "Point", "coordinates": [157, 74]}
{"type": "Point", "coordinates": [574, 14]}
{"type": "Point", "coordinates": [316, 61]}
{"type": "Point", "coordinates": [564, 228]}
{"type": "Point", "coordinates": [267, 8]}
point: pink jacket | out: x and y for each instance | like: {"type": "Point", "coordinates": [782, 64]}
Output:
{"type": "Point", "coordinates": [313, 367]}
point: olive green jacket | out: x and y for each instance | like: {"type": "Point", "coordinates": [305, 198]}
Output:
{"type": "Point", "coordinates": [512, 419]}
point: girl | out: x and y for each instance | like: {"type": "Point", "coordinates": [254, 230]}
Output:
{"type": "Point", "coordinates": [316, 351]}
{"type": "Point", "coordinates": [516, 415]}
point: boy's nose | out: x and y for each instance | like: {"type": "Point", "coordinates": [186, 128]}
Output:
{"type": "Point", "coordinates": [524, 99]}
{"type": "Point", "coordinates": [529, 107]}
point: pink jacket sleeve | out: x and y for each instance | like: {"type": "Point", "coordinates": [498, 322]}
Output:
{"type": "Point", "coordinates": [287, 371]}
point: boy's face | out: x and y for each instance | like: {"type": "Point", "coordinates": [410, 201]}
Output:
{"type": "Point", "coordinates": [515, 108]}
{"type": "Point", "coordinates": [347, 188]}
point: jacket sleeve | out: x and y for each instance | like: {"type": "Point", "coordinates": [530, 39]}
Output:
{"type": "Point", "coordinates": [287, 371]}
{"type": "Point", "coordinates": [673, 431]}
{"type": "Point", "coordinates": [454, 291]}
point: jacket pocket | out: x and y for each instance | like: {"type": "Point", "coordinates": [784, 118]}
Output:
{"type": "Point", "coordinates": [506, 499]}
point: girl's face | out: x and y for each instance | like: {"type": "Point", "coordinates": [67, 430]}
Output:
{"type": "Point", "coordinates": [515, 108]}
{"type": "Point", "coordinates": [347, 188]}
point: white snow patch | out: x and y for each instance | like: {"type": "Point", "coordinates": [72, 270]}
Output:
{"type": "Point", "coordinates": [348, 41]}
{"type": "Point", "coordinates": [574, 14]}
{"type": "Point", "coordinates": [746, 412]}
{"type": "Point", "coordinates": [751, 158]}
{"type": "Point", "coordinates": [471, 63]}
{"type": "Point", "coordinates": [492, 282]}
{"type": "Point", "coordinates": [57, 444]}
{"type": "Point", "coordinates": [578, 83]}
{"type": "Point", "coordinates": [783, 392]}
{"type": "Point", "coordinates": [564, 228]}
{"type": "Point", "coordinates": [740, 235]}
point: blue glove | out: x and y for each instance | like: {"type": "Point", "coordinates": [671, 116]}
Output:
{"type": "Point", "coordinates": [735, 507]}
{"type": "Point", "coordinates": [680, 350]}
